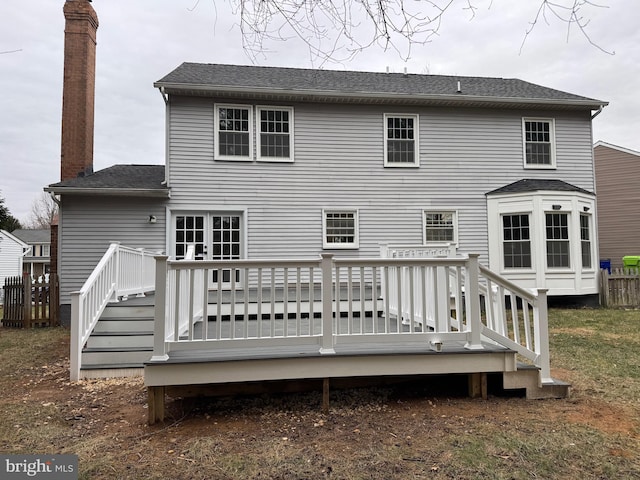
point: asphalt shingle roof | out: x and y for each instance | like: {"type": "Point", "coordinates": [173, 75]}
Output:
{"type": "Point", "coordinates": [118, 177]}
{"type": "Point", "coordinates": [33, 236]}
{"type": "Point", "coordinates": [534, 185]}
{"type": "Point", "coordinates": [351, 82]}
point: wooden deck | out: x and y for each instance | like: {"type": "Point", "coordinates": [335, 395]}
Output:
{"type": "Point", "coordinates": [244, 366]}
{"type": "Point", "coordinates": [412, 311]}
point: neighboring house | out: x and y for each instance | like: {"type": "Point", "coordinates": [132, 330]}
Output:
{"type": "Point", "coordinates": [36, 262]}
{"type": "Point", "coordinates": [618, 190]}
{"type": "Point", "coordinates": [277, 162]}
{"type": "Point", "coordinates": [12, 252]}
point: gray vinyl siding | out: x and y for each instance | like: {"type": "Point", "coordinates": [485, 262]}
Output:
{"type": "Point", "coordinates": [89, 224]}
{"type": "Point", "coordinates": [618, 194]}
{"type": "Point", "coordinates": [464, 153]}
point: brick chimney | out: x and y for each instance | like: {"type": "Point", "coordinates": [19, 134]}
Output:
{"type": "Point", "coordinates": [78, 89]}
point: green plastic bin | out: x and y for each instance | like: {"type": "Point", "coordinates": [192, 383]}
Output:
{"type": "Point", "coordinates": [631, 261]}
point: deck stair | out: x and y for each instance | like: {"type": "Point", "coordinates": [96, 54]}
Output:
{"type": "Point", "coordinates": [121, 341]}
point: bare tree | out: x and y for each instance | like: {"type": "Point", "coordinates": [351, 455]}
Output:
{"type": "Point", "coordinates": [43, 212]}
{"type": "Point", "coordinates": [337, 30]}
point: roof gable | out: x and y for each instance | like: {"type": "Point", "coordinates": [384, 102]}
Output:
{"type": "Point", "coordinates": [4, 235]}
{"type": "Point", "coordinates": [616, 147]}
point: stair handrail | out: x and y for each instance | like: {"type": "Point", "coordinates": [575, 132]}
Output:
{"type": "Point", "coordinates": [538, 352]}
{"type": "Point", "coordinates": [121, 271]}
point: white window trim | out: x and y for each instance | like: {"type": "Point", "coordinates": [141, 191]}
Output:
{"type": "Point", "coordinates": [503, 267]}
{"type": "Point", "coordinates": [587, 214]}
{"type": "Point", "coordinates": [552, 139]}
{"type": "Point", "coordinates": [341, 246]}
{"type": "Point", "coordinates": [259, 157]}
{"type": "Point", "coordinates": [216, 133]}
{"type": "Point", "coordinates": [416, 139]}
{"type": "Point", "coordinates": [439, 210]}
{"type": "Point", "coordinates": [572, 240]}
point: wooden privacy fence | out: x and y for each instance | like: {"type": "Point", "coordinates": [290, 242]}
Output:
{"type": "Point", "coordinates": [30, 304]}
{"type": "Point", "coordinates": [620, 288]}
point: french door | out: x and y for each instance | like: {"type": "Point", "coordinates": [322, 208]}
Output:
{"type": "Point", "coordinates": [215, 236]}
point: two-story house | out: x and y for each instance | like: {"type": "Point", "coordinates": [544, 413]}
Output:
{"type": "Point", "coordinates": [333, 223]}
{"type": "Point", "coordinates": [269, 162]}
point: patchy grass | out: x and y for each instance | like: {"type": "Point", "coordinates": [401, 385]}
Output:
{"type": "Point", "coordinates": [601, 348]}
{"type": "Point", "coordinates": [415, 431]}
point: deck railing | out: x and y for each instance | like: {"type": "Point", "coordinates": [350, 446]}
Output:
{"type": "Point", "coordinates": [329, 302]}
{"type": "Point", "coordinates": [122, 271]}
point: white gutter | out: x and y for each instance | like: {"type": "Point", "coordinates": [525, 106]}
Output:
{"type": "Point", "coordinates": [119, 192]}
{"type": "Point", "coordinates": [457, 98]}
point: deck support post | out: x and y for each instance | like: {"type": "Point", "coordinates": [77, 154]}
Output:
{"type": "Point", "coordinates": [75, 355]}
{"type": "Point", "coordinates": [155, 400]}
{"type": "Point", "coordinates": [326, 265]}
{"type": "Point", "coordinates": [541, 337]}
{"type": "Point", "coordinates": [159, 321]}
{"type": "Point", "coordinates": [474, 323]}
{"type": "Point", "coordinates": [478, 385]}
{"type": "Point", "coordinates": [325, 396]}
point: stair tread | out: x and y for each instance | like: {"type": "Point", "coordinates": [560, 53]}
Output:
{"type": "Point", "coordinates": [122, 333]}
{"type": "Point", "coordinates": [117, 349]}
{"type": "Point", "coordinates": [112, 366]}
{"type": "Point", "coordinates": [126, 319]}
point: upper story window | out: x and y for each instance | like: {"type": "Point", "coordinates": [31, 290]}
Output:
{"type": "Point", "coordinates": [401, 140]}
{"type": "Point", "coordinates": [557, 230]}
{"type": "Point", "coordinates": [440, 227]}
{"type": "Point", "coordinates": [275, 131]}
{"type": "Point", "coordinates": [233, 132]}
{"type": "Point", "coordinates": [516, 241]}
{"type": "Point", "coordinates": [539, 143]}
{"type": "Point", "coordinates": [340, 229]}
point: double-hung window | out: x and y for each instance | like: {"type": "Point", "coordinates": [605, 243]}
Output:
{"type": "Point", "coordinates": [401, 147]}
{"type": "Point", "coordinates": [557, 230]}
{"type": "Point", "coordinates": [340, 229]}
{"type": "Point", "coordinates": [275, 133]}
{"type": "Point", "coordinates": [516, 241]}
{"type": "Point", "coordinates": [539, 142]}
{"type": "Point", "coordinates": [585, 240]}
{"type": "Point", "coordinates": [233, 132]}
{"type": "Point", "coordinates": [439, 227]}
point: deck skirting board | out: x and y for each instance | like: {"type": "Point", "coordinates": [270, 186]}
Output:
{"type": "Point", "coordinates": [326, 366]}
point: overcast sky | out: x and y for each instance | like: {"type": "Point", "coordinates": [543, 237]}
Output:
{"type": "Point", "coordinates": [140, 41]}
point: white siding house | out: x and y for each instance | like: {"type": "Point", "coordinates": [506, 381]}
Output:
{"type": "Point", "coordinates": [280, 190]}
{"type": "Point", "coordinates": [12, 252]}
{"type": "Point", "coordinates": [276, 162]}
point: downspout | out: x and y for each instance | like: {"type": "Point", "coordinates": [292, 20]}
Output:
{"type": "Point", "coordinates": [166, 99]}
{"type": "Point", "coordinates": [55, 199]}
{"type": "Point", "coordinates": [598, 112]}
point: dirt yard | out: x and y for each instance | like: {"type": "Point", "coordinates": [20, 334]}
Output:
{"type": "Point", "coordinates": [426, 429]}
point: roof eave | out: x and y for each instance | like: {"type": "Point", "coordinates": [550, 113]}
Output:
{"type": "Point", "coordinates": [458, 98]}
{"type": "Point", "coordinates": [110, 192]}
